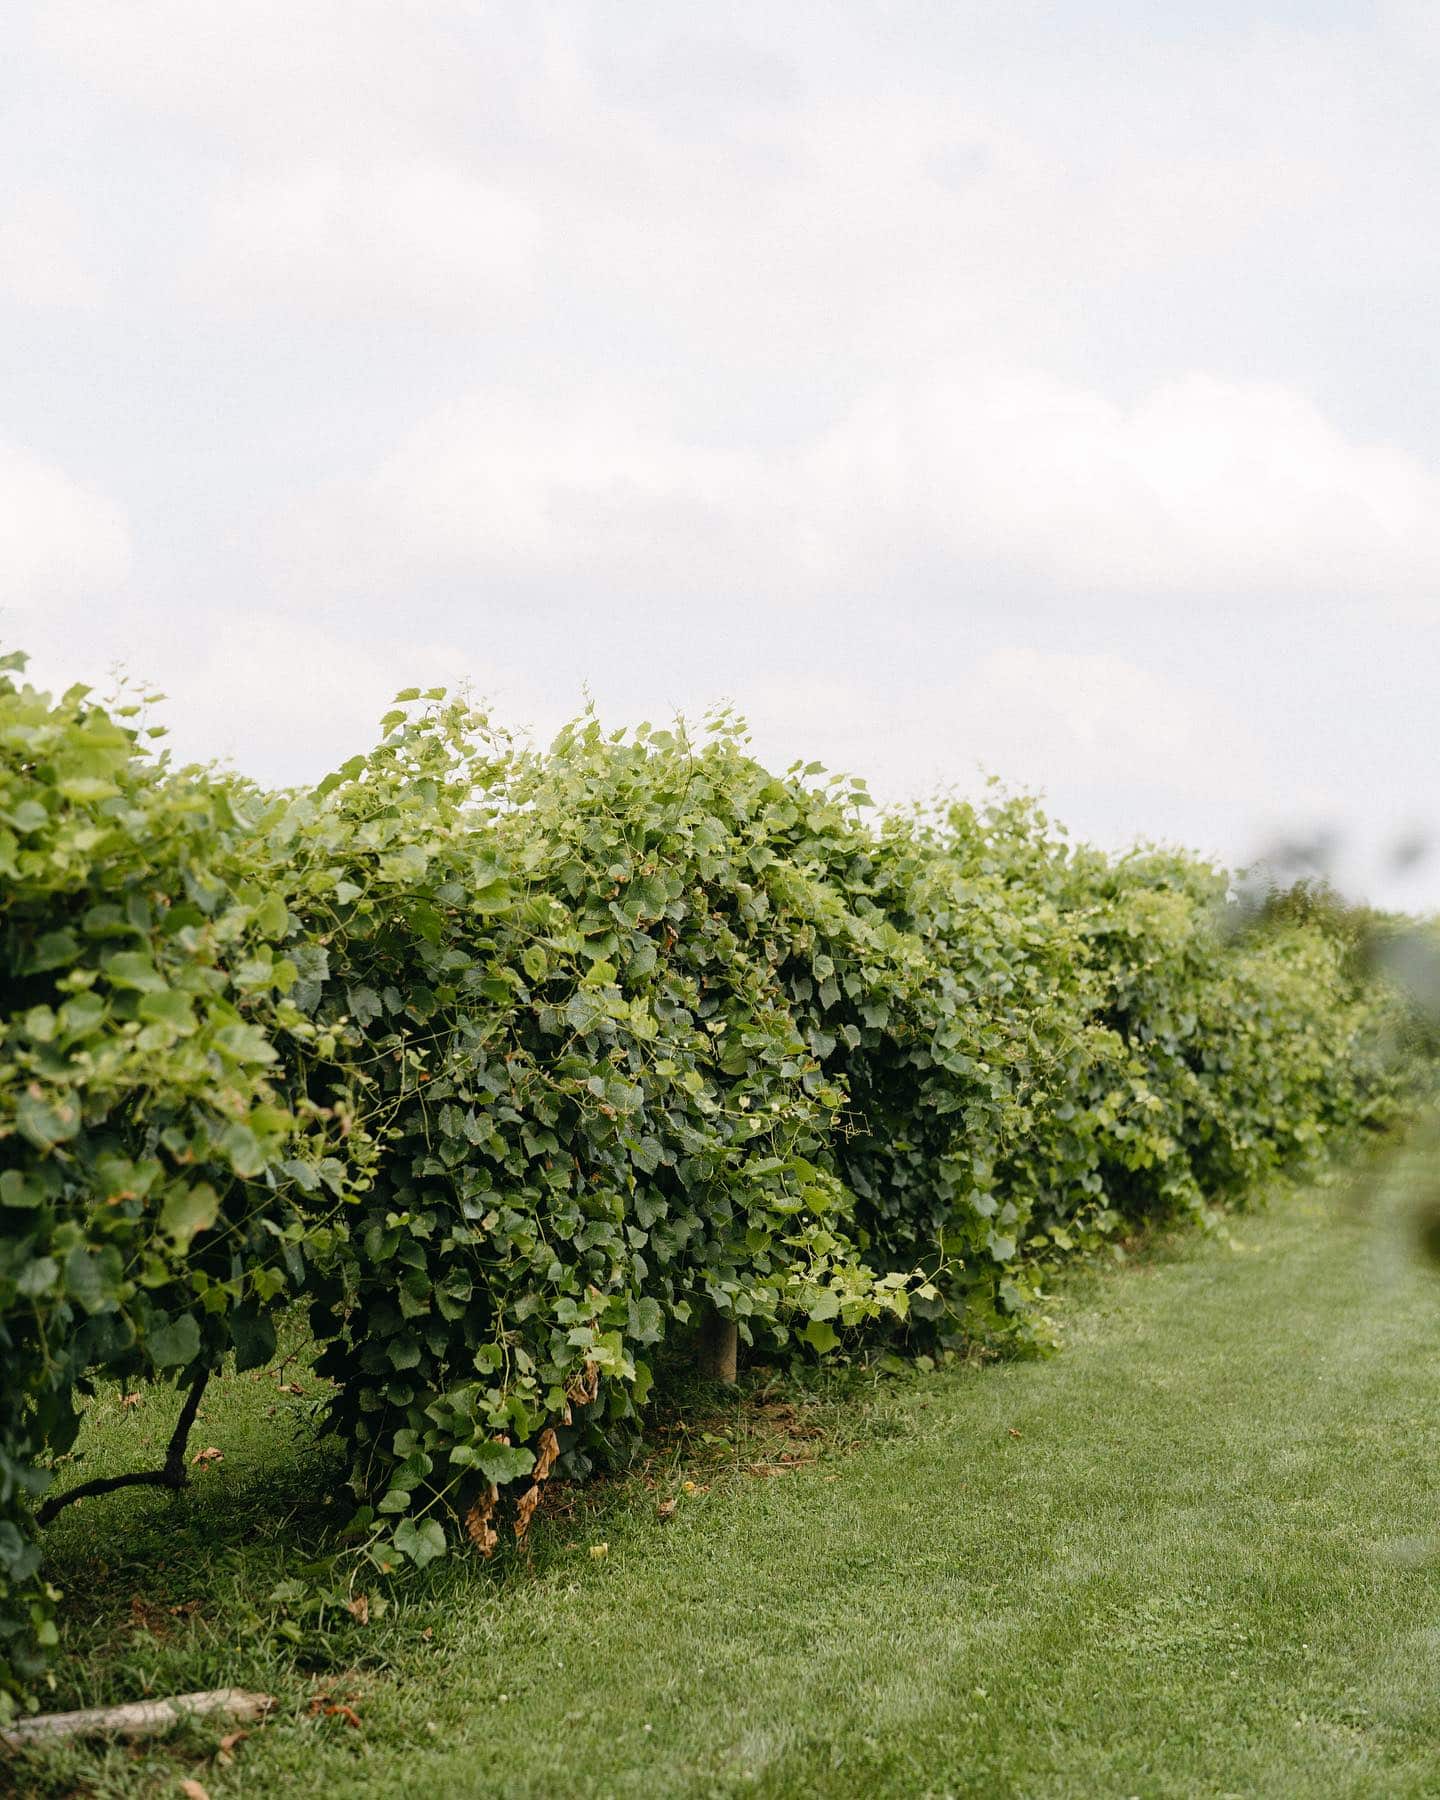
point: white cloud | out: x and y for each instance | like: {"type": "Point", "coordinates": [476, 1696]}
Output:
{"type": "Point", "coordinates": [805, 353]}
{"type": "Point", "coordinates": [59, 539]}
{"type": "Point", "coordinates": [1099, 719]}
{"type": "Point", "coordinates": [272, 74]}
{"type": "Point", "coordinates": [493, 484]}
{"type": "Point", "coordinates": [771, 192]}
{"type": "Point", "coordinates": [407, 237]}
{"type": "Point", "coordinates": [1201, 487]}
{"type": "Point", "coordinates": [1084, 722]}
{"type": "Point", "coordinates": [285, 698]}
{"type": "Point", "coordinates": [43, 256]}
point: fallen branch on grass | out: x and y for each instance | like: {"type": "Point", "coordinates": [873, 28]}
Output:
{"type": "Point", "coordinates": [141, 1718]}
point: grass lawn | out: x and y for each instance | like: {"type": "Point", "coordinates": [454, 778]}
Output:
{"type": "Point", "coordinates": [1195, 1554]}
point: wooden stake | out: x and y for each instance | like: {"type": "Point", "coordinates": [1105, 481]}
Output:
{"type": "Point", "coordinates": [719, 1348]}
{"type": "Point", "coordinates": [141, 1718]}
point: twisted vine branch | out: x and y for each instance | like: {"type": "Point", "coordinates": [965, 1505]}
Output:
{"type": "Point", "coordinates": [171, 1476]}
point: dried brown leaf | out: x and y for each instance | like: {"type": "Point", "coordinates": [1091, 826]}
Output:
{"type": "Point", "coordinates": [359, 1609]}
{"type": "Point", "coordinates": [148, 1616]}
{"type": "Point", "coordinates": [585, 1386]}
{"type": "Point", "coordinates": [322, 1706]}
{"type": "Point", "coordinates": [524, 1511]}
{"type": "Point", "coordinates": [481, 1532]}
{"type": "Point", "coordinates": [547, 1449]}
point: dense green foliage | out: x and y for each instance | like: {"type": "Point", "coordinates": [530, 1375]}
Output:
{"type": "Point", "coordinates": [148, 1220]}
{"type": "Point", "coordinates": [509, 1063]}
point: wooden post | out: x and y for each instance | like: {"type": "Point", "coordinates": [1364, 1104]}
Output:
{"type": "Point", "coordinates": [719, 1347]}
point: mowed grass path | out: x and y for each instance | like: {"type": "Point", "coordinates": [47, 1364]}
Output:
{"type": "Point", "coordinates": [1198, 1553]}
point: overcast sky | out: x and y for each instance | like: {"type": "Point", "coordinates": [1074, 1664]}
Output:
{"type": "Point", "coordinates": [1048, 387]}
